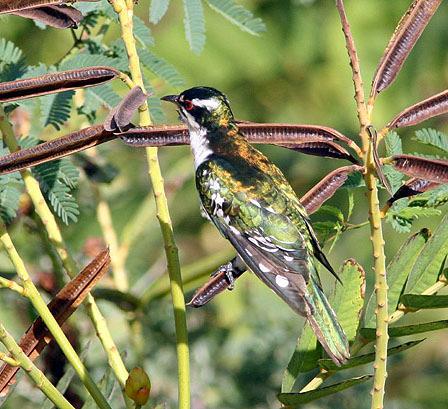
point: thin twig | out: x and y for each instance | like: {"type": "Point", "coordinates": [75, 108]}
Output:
{"type": "Point", "coordinates": [354, 63]}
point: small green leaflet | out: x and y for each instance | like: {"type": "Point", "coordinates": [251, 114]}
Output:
{"type": "Point", "coordinates": [161, 68]}
{"type": "Point", "coordinates": [418, 302]}
{"type": "Point", "coordinates": [194, 24]}
{"type": "Point", "coordinates": [157, 10]}
{"type": "Point", "coordinates": [142, 33]}
{"type": "Point", "coordinates": [238, 15]}
{"type": "Point", "coordinates": [303, 359]}
{"type": "Point", "coordinates": [432, 137]}
{"type": "Point", "coordinates": [56, 108]}
{"type": "Point", "coordinates": [430, 261]}
{"type": "Point", "coordinates": [296, 400]}
{"type": "Point", "coordinates": [395, 332]}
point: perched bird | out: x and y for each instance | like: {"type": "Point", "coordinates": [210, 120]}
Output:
{"type": "Point", "coordinates": [252, 204]}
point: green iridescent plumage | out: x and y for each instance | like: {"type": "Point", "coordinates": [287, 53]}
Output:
{"type": "Point", "coordinates": [252, 204]}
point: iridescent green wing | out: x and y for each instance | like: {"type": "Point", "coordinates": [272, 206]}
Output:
{"type": "Point", "coordinates": [263, 225]}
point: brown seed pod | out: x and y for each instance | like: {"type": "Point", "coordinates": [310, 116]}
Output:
{"type": "Point", "coordinates": [66, 301]}
{"type": "Point", "coordinates": [55, 82]}
{"type": "Point", "coordinates": [218, 282]}
{"type": "Point", "coordinates": [55, 149]}
{"type": "Point", "coordinates": [271, 133]}
{"type": "Point", "coordinates": [12, 6]}
{"type": "Point", "coordinates": [326, 188]}
{"type": "Point", "coordinates": [421, 111]}
{"type": "Point", "coordinates": [120, 117]}
{"type": "Point", "coordinates": [321, 148]}
{"type": "Point", "coordinates": [412, 187]}
{"type": "Point", "coordinates": [54, 16]}
{"type": "Point", "coordinates": [429, 169]}
{"type": "Point", "coordinates": [402, 42]}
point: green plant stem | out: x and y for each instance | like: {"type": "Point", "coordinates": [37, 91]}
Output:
{"type": "Point", "coordinates": [42, 309]}
{"type": "Point", "coordinates": [55, 238]}
{"type": "Point", "coordinates": [104, 217]}
{"type": "Point", "coordinates": [8, 360]}
{"type": "Point", "coordinates": [125, 13]}
{"type": "Point", "coordinates": [12, 285]}
{"type": "Point", "coordinates": [402, 310]}
{"type": "Point", "coordinates": [318, 380]}
{"type": "Point", "coordinates": [32, 371]}
{"type": "Point", "coordinates": [364, 116]}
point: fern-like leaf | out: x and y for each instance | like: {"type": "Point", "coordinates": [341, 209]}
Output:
{"type": "Point", "coordinates": [433, 137]}
{"type": "Point", "coordinates": [10, 190]}
{"type": "Point", "coordinates": [238, 15]}
{"type": "Point", "coordinates": [393, 147]}
{"type": "Point", "coordinates": [194, 23]}
{"type": "Point", "coordinates": [56, 108]}
{"type": "Point", "coordinates": [161, 68]}
{"type": "Point", "coordinates": [12, 62]}
{"type": "Point", "coordinates": [57, 179]}
{"type": "Point", "coordinates": [157, 10]}
{"type": "Point", "coordinates": [142, 33]}
{"type": "Point", "coordinates": [103, 95]}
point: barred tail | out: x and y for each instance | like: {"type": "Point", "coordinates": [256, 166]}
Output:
{"type": "Point", "coordinates": [325, 325]}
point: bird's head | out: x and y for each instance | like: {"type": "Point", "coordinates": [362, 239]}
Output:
{"type": "Point", "coordinates": [202, 107]}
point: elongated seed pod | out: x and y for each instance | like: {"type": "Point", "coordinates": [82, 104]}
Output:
{"type": "Point", "coordinates": [55, 149]}
{"type": "Point", "coordinates": [11, 6]}
{"type": "Point", "coordinates": [428, 169]}
{"type": "Point", "coordinates": [66, 301]}
{"type": "Point", "coordinates": [322, 148]}
{"type": "Point", "coordinates": [120, 117]}
{"type": "Point", "coordinates": [311, 201]}
{"type": "Point", "coordinates": [55, 82]}
{"type": "Point", "coordinates": [54, 16]}
{"type": "Point", "coordinates": [218, 282]}
{"type": "Point", "coordinates": [255, 132]}
{"type": "Point", "coordinates": [326, 188]}
{"type": "Point", "coordinates": [412, 187]}
{"type": "Point", "coordinates": [402, 42]}
{"type": "Point", "coordinates": [421, 111]}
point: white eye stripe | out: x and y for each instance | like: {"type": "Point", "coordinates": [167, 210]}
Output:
{"type": "Point", "coordinates": [210, 104]}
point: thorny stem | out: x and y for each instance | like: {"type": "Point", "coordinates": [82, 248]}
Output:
{"type": "Point", "coordinates": [51, 323]}
{"type": "Point", "coordinates": [364, 113]}
{"type": "Point", "coordinates": [125, 13]}
{"type": "Point", "coordinates": [55, 238]}
{"type": "Point", "coordinates": [20, 359]}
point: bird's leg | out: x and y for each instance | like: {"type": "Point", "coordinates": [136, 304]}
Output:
{"type": "Point", "coordinates": [222, 278]}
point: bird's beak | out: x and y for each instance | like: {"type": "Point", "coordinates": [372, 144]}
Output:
{"type": "Point", "coordinates": [171, 98]}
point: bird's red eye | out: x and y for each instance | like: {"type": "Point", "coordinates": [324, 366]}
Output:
{"type": "Point", "coordinates": [188, 105]}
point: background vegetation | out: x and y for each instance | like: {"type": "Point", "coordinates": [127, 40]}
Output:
{"type": "Point", "coordinates": [295, 72]}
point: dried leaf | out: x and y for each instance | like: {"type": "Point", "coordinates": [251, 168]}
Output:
{"type": "Point", "coordinates": [54, 16]}
{"type": "Point", "coordinates": [421, 111]}
{"type": "Point", "coordinates": [55, 149]}
{"type": "Point", "coordinates": [55, 82]}
{"type": "Point", "coordinates": [402, 42]}
{"type": "Point", "coordinates": [120, 117]}
{"type": "Point", "coordinates": [326, 188]}
{"type": "Point", "coordinates": [429, 169]}
{"type": "Point", "coordinates": [412, 187]}
{"type": "Point", "coordinates": [66, 301]}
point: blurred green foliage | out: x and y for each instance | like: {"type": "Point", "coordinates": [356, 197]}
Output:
{"type": "Point", "coordinates": [296, 72]}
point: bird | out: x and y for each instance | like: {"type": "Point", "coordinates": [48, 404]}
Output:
{"type": "Point", "coordinates": [254, 207]}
